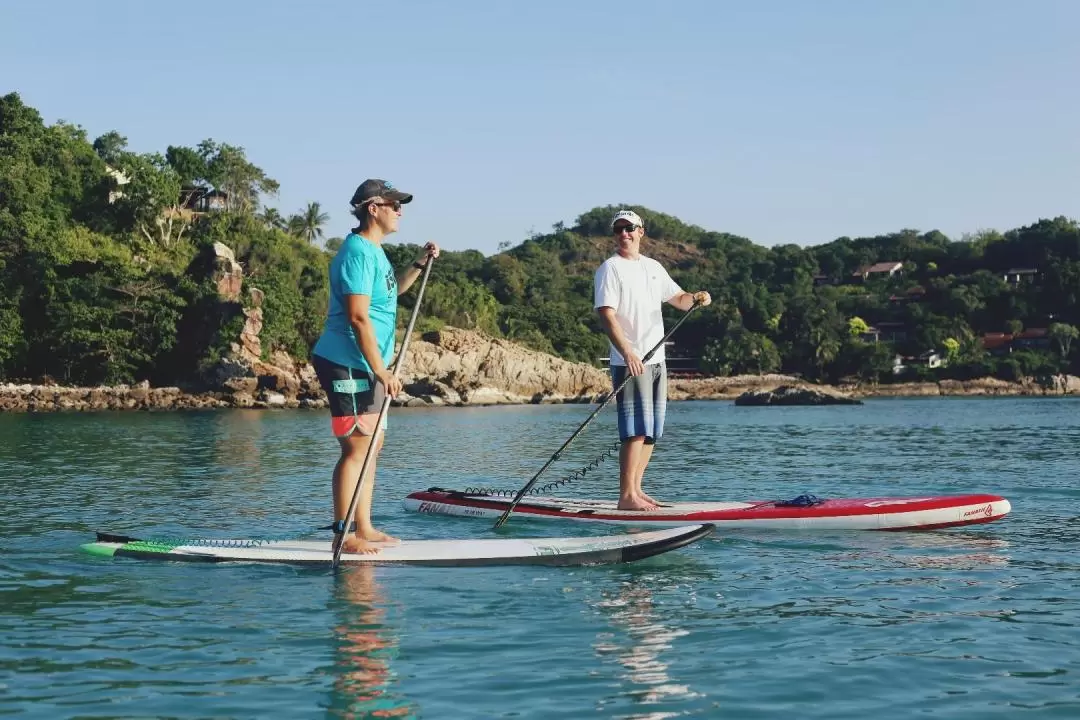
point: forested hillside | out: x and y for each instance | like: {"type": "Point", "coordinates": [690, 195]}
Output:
{"type": "Point", "coordinates": [104, 278]}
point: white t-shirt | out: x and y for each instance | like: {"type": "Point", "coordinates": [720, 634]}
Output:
{"type": "Point", "coordinates": [637, 290]}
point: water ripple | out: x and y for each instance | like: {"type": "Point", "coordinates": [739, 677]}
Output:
{"type": "Point", "coordinates": [970, 623]}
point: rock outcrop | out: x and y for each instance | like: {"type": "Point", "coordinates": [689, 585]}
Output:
{"type": "Point", "coordinates": [228, 274]}
{"type": "Point", "coordinates": [446, 380]}
{"type": "Point", "coordinates": [989, 386]}
{"type": "Point", "coordinates": [794, 395]}
{"type": "Point", "coordinates": [461, 367]}
{"type": "Point", "coordinates": [724, 388]}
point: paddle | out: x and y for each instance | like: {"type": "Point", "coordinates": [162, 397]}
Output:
{"type": "Point", "coordinates": [521, 493]}
{"type": "Point", "coordinates": [382, 414]}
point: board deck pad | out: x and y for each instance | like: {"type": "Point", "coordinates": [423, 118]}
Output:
{"type": "Point", "coordinates": [596, 550]}
{"type": "Point", "coordinates": [925, 512]}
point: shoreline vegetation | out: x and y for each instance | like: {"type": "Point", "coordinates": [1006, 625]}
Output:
{"type": "Point", "coordinates": [31, 398]}
{"type": "Point", "coordinates": [460, 368]}
{"type": "Point", "coordinates": [164, 280]}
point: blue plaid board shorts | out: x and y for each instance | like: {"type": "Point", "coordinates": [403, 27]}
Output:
{"type": "Point", "coordinates": [642, 402]}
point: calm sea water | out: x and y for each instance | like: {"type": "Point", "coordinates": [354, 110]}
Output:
{"type": "Point", "coordinates": [965, 623]}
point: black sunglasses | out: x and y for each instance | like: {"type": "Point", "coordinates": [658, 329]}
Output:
{"type": "Point", "coordinates": [396, 204]}
{"type": "Point", "coordinates": [619, 229]}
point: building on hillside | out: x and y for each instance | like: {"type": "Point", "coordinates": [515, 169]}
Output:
{"type": "Point", "coordinates": [1005, 343]}
{"type": "Point", "coordinates": [1016, 276]}
{"type": "Point", "coordinates": [203, 200]}
{"type": "Point", "coordinates": [892, 331]}
{"type": "Point", "coordinates": [1032, 339]}
{"type": "Point", "coordinates": [118, 180]}
{"type": "Point", "coordinates": [929, 358]}
{"type": "Point", "coordinates": [872, 335]}
{"type": "Point", "coordinates": [879, 270]}
{"type": "Point", "coordinates": [997, 343]}
{"type": "Point", "coordinates": [678, 366]}
{"type": "Point", "coordinates": [915, 294]}
{"type": "Point", "coordinates": [885, 332]}
{"type": "Point", "coordinates": [195, 201]}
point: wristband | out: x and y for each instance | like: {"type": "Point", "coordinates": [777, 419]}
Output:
{"type": "Point", "coordinates": [418, 266]}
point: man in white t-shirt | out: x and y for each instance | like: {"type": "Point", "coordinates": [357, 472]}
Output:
{"type": "Point", "coordinates": [630, 290]}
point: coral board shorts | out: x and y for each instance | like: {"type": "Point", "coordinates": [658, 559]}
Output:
{"type": "Point", "coordinates": [354, 396]}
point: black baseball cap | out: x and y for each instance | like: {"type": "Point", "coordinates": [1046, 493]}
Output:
{"type": "Point", "coordinates": [378, 188]}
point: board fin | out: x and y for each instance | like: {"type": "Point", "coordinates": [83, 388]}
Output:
{"type": "Point", "coordinates": [110, 538]}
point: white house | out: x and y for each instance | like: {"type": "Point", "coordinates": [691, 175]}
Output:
{"type": "Point", "coordinates": [119, 180]}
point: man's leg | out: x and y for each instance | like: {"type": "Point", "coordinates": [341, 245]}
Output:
{"type": "Point", "coordinates": [643, 462]}
{"type": "Point", "coordinates": [354, 449]}
{"type": "Point", "coordinates": [633, 411]}
{"type": "Point", "coordinates": [354, 400]}
{"type": "Point", "coordinates": [629, 458]}
{"type": "Point", "coordinates": [654, 402]}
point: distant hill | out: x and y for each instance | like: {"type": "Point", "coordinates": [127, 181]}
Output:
{"type": "Point", "coordinates": [115, 267]}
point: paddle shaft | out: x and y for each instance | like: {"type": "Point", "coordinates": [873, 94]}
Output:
{"type": "Point", "coordinates": [521, 493]}
{"type": "Point", "coordinates": [382, 413]}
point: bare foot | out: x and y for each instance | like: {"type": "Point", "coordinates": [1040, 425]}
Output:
{"type": "Point", "coordinates": [378, 536]}
{"type": "Point", "coordinates": [642, 497]}
{"type": "Point", "coordinates": [357, 546]}
{"type": "Point", "coordinates": [635, 503]}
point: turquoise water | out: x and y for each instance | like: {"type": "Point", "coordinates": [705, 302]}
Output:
{"type": "Point", "coordinates": [966, 623]}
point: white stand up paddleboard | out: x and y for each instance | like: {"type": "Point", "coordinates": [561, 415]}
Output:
{"type": "Point", "coordinates": [927, 512]}
{"type": "Point", "coordinates": [445, 553]}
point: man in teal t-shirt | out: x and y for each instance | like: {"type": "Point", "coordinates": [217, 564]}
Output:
{"type": "Point", "coordinates": [352, 356]}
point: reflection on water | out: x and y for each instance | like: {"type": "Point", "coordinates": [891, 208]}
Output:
{"type": "Point", "coordinates": [364, 646]}
{"type": "Point", "coordinates": [977, 622]}
{"type": "Point", "coordinates": [925, 550]}
{"type": "Point", "coordinates": [237, 440]}
{"type": "Point", "coordinates": [640, 647]}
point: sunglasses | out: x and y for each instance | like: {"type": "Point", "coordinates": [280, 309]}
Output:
{"type": "Point", "coordinates": [620, 229]}
{"type": "Point", "coordinates": [396, 204]}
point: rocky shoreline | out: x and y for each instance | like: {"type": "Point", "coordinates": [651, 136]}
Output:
{"type": "Point", "coordinates": [427, 392]}
{"type": "Point", "coordinates": [450, 367]}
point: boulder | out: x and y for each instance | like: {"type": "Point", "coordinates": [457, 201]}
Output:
{"type": "Point", "coordinates": [227, 273]}
{"type": "Point", "coordinates": [794, 395]}
{"type": "Point", "coordinates": [473, 368]}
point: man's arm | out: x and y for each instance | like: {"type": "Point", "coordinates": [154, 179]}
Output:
{"type": "Point", "coordinates": [685, 300]}
{"type": "Point", "coordinates": [407, 277]}
{"type": "Point", "coordinates": [615, 333]}
{"type": "Point", "coordinates": [357, 307]}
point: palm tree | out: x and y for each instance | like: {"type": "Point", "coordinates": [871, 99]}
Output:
{"type": "Point", "coordinates": [272, 218]}
{"type": "Point", "coordinates": [308, 224]}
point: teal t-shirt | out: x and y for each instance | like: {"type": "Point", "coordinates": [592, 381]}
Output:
{"type": "Point", "coordinates": [359, 268]}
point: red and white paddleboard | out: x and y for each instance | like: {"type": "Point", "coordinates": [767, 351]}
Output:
{"type": "Point", "coordinates": [875, 513]}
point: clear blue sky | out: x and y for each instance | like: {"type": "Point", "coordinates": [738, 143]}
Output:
{"type": "Point", "coordinates": [791, 121]}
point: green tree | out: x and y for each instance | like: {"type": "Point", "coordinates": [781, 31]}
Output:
{"type": "Point", "coordinates": [739, 352]}
{"type": "Point", "coordinates": [1062, 334]}
{"type": "Point", "coordinates": [111, 147]}
{"type": "Point", "coordinates": [952, 350]}
{"type": "Point", "coordinates": [462, 304]}
{"type": "Point", "coordinates": [151, 201]}
{"type": "Point", "coordinates": [271, 218]}
{"type": "Point", "coordinates": [857, 326]}
{"type": "Point", "coordinates": [227, 169]}
{"type": "Point", "coordinates": [308, 225]}
{"type": "Point", "coordinates": [189, 166]}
